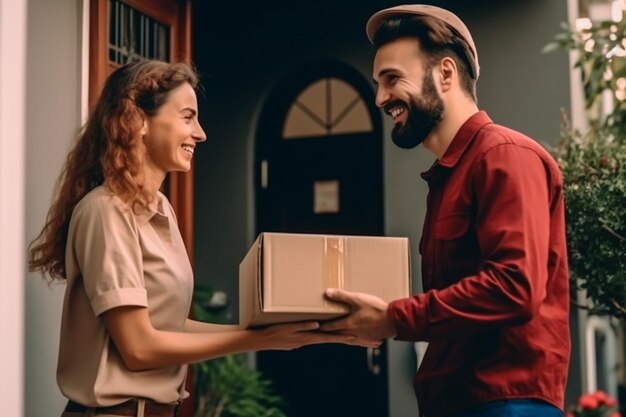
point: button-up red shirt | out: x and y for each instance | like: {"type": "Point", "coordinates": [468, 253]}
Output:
{"type": "Point", "coordinates": [495, 306]}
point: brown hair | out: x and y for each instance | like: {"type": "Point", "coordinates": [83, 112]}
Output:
{"type": "Point", "coordinates": [437, 40]}
{"type": "Point", "coordinates": [108, 150]}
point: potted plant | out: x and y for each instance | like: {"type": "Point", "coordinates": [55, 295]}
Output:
{"type": "Point", "coordinates": [227, 386]}
{"type": "Point", "coordinates": [593, 164]}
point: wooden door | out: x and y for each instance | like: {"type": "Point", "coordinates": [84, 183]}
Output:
{"type": "Point", "coordinates": [121, 31]}
{"type": "Point", "coordinates": [319, 164]}
{"type": "Point", "coordinates": [124, 30]}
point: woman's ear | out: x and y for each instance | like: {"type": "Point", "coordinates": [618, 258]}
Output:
{"type": "Point", "coordinates": [144, 127]}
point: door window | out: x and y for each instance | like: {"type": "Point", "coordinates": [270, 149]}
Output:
{"type": "Point", "coordinates": [134, 35]}
{"type": "Point", "coordinates": [329, 106]}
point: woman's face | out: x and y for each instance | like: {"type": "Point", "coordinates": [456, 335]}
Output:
{"type": "Point", "coordinates": [172, 134]}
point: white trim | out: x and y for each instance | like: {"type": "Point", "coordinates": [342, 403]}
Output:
{"type": "Point", "coordinates": [12, 178]}
{"type": "Point", "coordinates": [579, 121]}
{"type": "Point", "coordinates": [577, 97]}
{"type": "Point", "coordinates": [84, 61]}
{"type": "Point", "coordinates": [597, 325]}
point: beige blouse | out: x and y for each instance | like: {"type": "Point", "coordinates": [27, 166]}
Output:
{"type": "Point", "coordinates": [117, 258]}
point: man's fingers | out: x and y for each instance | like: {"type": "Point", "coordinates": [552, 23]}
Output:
{"type": "Point", "coordinates": [364, 343]}
{"type": "Point", "coordinates": [343, 296]}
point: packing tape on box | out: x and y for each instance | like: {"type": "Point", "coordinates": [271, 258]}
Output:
{"type": "Point", "coordinates": [335, 248]}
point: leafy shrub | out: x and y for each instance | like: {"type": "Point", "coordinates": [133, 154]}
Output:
{"type": "Point", "coordinates": [593, 164]}
{"type": "Point", "coordinates": [227, 386]}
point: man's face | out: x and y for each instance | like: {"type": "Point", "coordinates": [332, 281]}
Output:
{"type": "Point", "coordinates": [407, 92]}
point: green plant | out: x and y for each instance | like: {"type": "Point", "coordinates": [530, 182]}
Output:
{"type": "Point", "coordinates": [601, 50]}
{"type": "Point", "coordinates": [227, 386]}
{"type": "Point", "coordinates": [593, 164]}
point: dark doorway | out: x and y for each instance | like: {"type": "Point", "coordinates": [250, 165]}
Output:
{"type": "Point", "coordinates": [319, 170]}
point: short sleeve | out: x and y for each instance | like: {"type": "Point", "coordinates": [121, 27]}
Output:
{"type": "Point", "coordinates": [105, 242]}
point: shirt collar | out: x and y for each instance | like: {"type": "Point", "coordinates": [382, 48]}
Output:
{"type": "Point", "coordinates": [461, 142]}
{"type": "Point", "coordinates": [154, 209]}
{"type": "Point", "coordinates": [463, 138]}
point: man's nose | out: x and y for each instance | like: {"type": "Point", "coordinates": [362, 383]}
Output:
{"type": "Point", "coordinates": [382, 97]}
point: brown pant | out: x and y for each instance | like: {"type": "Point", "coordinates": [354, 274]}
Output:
{"type": "Point", "coordinates": [132, 408]}
{"type": "Point", "coordinates": [68, 414]}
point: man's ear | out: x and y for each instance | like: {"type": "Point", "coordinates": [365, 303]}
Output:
{"type": "Point", "coordinates": [448, 71]}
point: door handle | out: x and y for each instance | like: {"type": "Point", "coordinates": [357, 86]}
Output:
{"type": "Point", "coordinates": [264, 167]}
{"type": "Point", "coordinates": [373, 367]}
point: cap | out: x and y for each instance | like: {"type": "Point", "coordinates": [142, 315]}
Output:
{"type": "Point", "coordinates": [427, 10]}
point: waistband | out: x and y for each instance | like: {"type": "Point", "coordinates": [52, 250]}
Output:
{"type": "Point", "coordinates": [129, 408]}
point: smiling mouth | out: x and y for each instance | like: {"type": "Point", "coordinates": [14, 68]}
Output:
{"type": "Point", "coordinates": [188, 149]}
{"type": "Point", "coordinates": [396, 111]}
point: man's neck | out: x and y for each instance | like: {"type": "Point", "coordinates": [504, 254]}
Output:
{"type": "Point", "coordinates": [453, 118]}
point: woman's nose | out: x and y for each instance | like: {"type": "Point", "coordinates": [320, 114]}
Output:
{"type": "Point", "coordinates": [198, 133]}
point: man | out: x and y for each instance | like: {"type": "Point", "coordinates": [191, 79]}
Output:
{"type": "Point", "coordinates": [494, 259]}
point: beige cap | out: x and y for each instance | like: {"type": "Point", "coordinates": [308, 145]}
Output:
{"type": "Point", "coordinates": [423, 9]}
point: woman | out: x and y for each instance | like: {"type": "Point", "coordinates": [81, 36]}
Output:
{"type": "Point", "coordinates": [125, 335]}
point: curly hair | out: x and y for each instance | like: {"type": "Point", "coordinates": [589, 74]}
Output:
{"type": "Point", "coordinates": [437, 40]}
{"type": "Point", "coordinates": [109, 150]}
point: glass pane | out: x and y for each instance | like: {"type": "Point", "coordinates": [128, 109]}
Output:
{"type": "Point", "coordinates": [134, 35]}
{"type": "Point", "coordinates": [313, 98]}
{"type": "Point", "coordinates": [328, 106]}
{"type": "Point", "coordinates": [357, 120]}
{"type": "Point", "coordinates": [300, 124]}
{"type": "Point", "coordinates": [342, 96]}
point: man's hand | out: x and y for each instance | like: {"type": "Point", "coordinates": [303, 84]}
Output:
{"type": "Point", "coordinates": [368, 317]}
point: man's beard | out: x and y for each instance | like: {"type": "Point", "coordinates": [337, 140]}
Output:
{"type": "Point", "coordinates": [424, 114]}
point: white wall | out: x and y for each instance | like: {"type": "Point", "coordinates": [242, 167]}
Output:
{"type": "Point", "coordinates": [12, 66]}
{"type": "Point", "coordinates": [53, 78]}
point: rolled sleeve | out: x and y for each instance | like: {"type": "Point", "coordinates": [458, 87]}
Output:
{"type": "Point", "coordinates": [108, 254]}
{"type": "Point", "coordinates": [119, 297]}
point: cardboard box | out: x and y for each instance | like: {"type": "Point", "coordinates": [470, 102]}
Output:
{"type": "Point", "coordinates": [283, 277]}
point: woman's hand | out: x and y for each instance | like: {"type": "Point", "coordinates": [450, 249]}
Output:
{"type": "Point", "coordinates": [141, 346]}
{"type": "Point", "coordinates": [295, 335]}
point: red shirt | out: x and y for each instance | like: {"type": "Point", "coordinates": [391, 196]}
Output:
{"type": "Point", "coordinates": [494, 267]}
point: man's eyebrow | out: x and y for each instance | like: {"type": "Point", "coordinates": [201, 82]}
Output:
{"type": "Point", "coordinates": [382, 73]}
